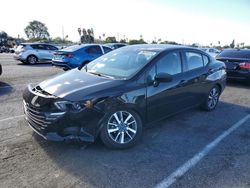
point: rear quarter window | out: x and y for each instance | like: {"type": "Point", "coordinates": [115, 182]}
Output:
{"type": "Point", "coordinates": [205, 60]}
{"type": "Point", "coordinates": [106, 49]}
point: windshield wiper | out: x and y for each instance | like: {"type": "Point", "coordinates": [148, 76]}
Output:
{"type": "Point", "coordinates": [101, 75]}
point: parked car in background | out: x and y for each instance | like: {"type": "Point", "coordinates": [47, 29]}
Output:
{"type": "Point", "coordinates": [32, 53]}
{"type": "Point", "coordinates": [78, 55]}
{"type": "Point", "coordinates": [115, 45]}
{"type": "Point", "coordinates": [211, 51]}
{"type": "Point", "coordinates": [119, 93]}
{"type": "Point", "coordinates": [4, 49]}
{"type": "Point", "coordinates": [237, 63]}
{"type": "Point", "coordinates": [1, 70]}
{"type": "Point", "coordinates": [12, 50]}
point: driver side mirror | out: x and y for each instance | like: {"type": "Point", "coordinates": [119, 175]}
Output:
{"type": "Point", "coordinates": [162, 77]}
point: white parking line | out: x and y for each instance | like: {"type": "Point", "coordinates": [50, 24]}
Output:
{"type": "Point", "coordinates": [199, 156]}
{"type": "Point", "coordinates": [10, 118]}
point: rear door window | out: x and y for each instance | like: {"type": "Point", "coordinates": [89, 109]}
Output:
{"type": "Point", "coordinates": [194, 60]}
{"type": "Point", "coordinates": [94, 50]}
{"type": "Point", "coordinates": [39, 46]}
{"type": "Point", "coordinates": [53, 48]}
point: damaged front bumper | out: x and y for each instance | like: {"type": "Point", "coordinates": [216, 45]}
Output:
{"type": "Point", "coordinates": [57, 125]}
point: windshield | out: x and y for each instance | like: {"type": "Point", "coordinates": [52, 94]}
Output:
{"type": "Point", "coordinates": [120, 63]}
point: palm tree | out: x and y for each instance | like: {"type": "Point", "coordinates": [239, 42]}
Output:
{"type": "Point", "coordinates": [80, 32]}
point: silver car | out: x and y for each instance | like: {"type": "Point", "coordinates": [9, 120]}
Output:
{"type": "Point", "coordinates": [32, 53]}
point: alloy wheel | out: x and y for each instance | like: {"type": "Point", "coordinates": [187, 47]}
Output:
{"type": "Point", "coordinates": [32, 60]}
{"type": "Point", "coordinates": [213, 98]}
{"type": "Point", "coordinates": [122, 127]}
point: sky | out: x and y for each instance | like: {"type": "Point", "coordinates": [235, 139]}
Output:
{"type": "Point", "coordinates": [183, 21]}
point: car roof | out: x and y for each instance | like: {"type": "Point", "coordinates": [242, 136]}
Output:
{"type": "Point", "coordinates": [32, 43]}
{"type": "Point", "coordinates": [237, 50]}
{"type": "Point", "coordinates": [115, 43]}
{"type": "Point", "coordinates": [79, 46]}
{"type": "Point", "coordinates": [157, 47]}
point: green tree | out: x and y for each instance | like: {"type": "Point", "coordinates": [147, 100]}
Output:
{"type": "Point", "coordinates": [122, 41]}
{"type": "Point", "coordinates": [232, 45]}
{"type": "Point", "coordinates": [59, 40]}
{"type": "Point", "coordinates": [36, 30]}
{"type": "Point", "coordinates": [87, 36]}
{"type": "Point", "coordinates": [110, 40]}
{"type": "Point", "coordinates": [135, 41]}
{"type": "Point", "coordinates": [169, 42]}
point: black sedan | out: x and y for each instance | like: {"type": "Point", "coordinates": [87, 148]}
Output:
{"type": "Point", "coordinates": [118, 94]}
{"type": "Point", "coordinates": [237, 63]}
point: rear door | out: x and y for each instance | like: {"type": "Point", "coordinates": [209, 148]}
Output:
{"type": "Point", "coordinates": [50, 51]}
{"type": "Point", "coordinates": [94, 52]}
{"type": "Point", "coordinates": [196, 69]}
{"type": "Point", "coordinates": [40, 51]}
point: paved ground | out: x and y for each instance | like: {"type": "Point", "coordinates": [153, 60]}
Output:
{"type": "Point", "coordinates": [28, 161]}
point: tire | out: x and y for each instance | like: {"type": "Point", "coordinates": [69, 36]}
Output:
{"type": "Point", "coordinates": [32, 60]}
{"type": "Point", "coordinates": [65, 69]}
{"type": "Point", "coordinates": [24, 62]}
{"type": "Point", "coordinates": [121, 135]}
{"type": "Point", "coordinates": [212, 99]}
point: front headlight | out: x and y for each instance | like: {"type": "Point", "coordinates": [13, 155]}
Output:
{"type": "Point", "coordinates": [73, 106]}
{"type": "Point", "coordinates": [69, 106]}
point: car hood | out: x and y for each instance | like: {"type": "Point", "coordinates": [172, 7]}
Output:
{"type": "Point", "coordinates": [76, 85]}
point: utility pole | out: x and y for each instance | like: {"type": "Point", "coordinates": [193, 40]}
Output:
{"type": "Point", "coordinates": [63, 33]}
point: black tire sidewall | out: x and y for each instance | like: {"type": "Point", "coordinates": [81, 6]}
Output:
{"type": "Point", "coordinates": [107, 141]}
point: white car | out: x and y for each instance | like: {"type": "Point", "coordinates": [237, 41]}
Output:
{"type": "Point", "coordinates": [31, 53]}
{"type": "Point", "coordinates": [211, 51]}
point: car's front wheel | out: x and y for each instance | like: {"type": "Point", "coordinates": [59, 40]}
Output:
{"type": "Point", "coordinates": [121, 129]}
{"type": "Point", "coordinates": [212, 99]}
{"type": "Point", "coordinates": [32, 60]}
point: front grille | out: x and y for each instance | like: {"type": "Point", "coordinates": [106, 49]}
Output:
{"type": "Point", "coordinates": [36, 118]}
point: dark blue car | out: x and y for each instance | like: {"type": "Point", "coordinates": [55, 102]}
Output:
{"type": "Point", "coordinates": [78, 55]}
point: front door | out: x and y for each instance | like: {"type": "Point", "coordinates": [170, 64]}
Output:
{"type": "Point", "coordinates": [166, 98]}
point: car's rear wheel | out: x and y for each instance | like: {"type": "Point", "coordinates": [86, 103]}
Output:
{"type": "Point", "coordinates": [65, 69]}
{"type": "Point", "coordinates": [121, 129]}
{"type": "Point", "coordinates": [212, 99]}
{"type": "Point", "coordinates": [32, 59]}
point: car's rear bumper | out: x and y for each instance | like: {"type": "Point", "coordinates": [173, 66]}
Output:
{"type": "Point", "coordinates": [19, 57]}
{"type": "Point", "coordinates": [238, 74]}
{"type": "Point", "coordinates": [61, 64]}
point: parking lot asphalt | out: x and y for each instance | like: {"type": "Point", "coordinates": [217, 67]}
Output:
{"type": "Point", "coordinates": [26, 160]}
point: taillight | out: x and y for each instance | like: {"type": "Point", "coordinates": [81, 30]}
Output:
{"type": "Point", "coordinates": [244, 65]}
{"type": "Point", "coordinates": [69, 55]}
